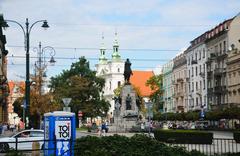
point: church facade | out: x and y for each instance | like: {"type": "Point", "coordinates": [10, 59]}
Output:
{"type": "Point", "coordinates": [112, 71]}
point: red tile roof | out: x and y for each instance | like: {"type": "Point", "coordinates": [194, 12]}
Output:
{"type": "Point", "coordinates": [12, 84]}
{"type": "Point", "coordinates": [139, 79]}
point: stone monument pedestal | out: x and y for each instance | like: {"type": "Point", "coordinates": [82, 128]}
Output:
{"type": "Point", "coordinates": [127, 115]}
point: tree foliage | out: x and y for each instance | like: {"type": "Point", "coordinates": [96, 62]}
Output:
{"type": "Point", "coordinates": [81, 84]}
{"type": "Point", "coordinates": [155, 83]}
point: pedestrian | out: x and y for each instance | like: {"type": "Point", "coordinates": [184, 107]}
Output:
{"type": "Point", "coordinates": [142, 127]}
{"type": "Point", "coordinates": [104, 129]}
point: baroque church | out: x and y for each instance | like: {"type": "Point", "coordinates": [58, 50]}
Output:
{"type": "Point", "coordinates": [112, 71]}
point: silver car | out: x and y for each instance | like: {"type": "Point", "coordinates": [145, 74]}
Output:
{"type": "Point", "coordinates": [22, 140]}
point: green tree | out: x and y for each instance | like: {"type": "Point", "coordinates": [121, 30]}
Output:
{"type": "Point", "coordinates": [155, 83]}
{"type": "Point", "coordinates": [17, 106]}
{"type": "Point", "coordinates": [81, 84]}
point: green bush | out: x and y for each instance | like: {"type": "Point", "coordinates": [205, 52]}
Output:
{"type": "Point", "coordinates": [183, 136]}
{"type": "Point", "coordinates": [138, 145]}
{"type": "Point", "coordinates": [236, 136]}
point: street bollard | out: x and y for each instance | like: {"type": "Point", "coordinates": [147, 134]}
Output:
{"type": "Point", "coordinates": [36, 149]}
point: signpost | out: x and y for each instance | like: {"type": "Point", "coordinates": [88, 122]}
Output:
{"type": "Point", "coordinates": [150, 115]}
{"type": "Point", "coordinates": [80, 115]}
{"type": "Point", "coordinates": [66, 102]}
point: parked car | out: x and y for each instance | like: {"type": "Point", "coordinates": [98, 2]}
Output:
{"type": "Point", "coordinates": [24, 138]}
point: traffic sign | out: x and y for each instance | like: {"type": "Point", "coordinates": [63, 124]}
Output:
{"type": "Point", "coordinates": [80, 113]}
{"type": "Point", "coordinates": [66, 101]}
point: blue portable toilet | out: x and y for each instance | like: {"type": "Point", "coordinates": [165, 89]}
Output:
{"type": "Point", "coordinates": [60, 130]}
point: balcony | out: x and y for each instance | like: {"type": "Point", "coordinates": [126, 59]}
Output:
{"type": "Point", "coordinates": [202, 74]}
{"type": "Point", "coordinates": [194, 61]}
{"type": "Point", "coordinates": [210, 91]}
{"type": "Point", "coordinates": [180, 80]}
{"type": "Point", "coordinates": [219, 71]}
{"type": "Point", "coordinates": [209, 74]}
{"type": "Point", "coordinates": [199, 92]}
{"type": "Point", "coordinates": [180, 94]}
{"type": "Point", "coordinates": [218, 89]}
{"type": "Point", "coordinates": [212, 56]}
{"type": "Point", "coordinates": [209, 60]}
{"type": "Point", "coordinates": [221, 56]}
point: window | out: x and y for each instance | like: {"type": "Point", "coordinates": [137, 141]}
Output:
{"type": "Point", "coordinates": [220, 48]}
{"type": "Point", "coordinates": [110, 85]}
{"type": "Point", "coordinates": [119, 83]}
{"type": "Point", "coordinates": [200, 85]}
{"type": "Point", "coordinates": [189, 73]}
{"type": "Point", "coordinates": [200, 69]}
{"type": "Point", "coordinates": [192, 71]}
{"type": "Point", "coordinates": [36, 134]}
{"type": "Point", "coordinates": [203, 53]}
{"type": "Point", "coordinates": [224, 46]}
{"type": "Point", "coordinates": [196, 71]}
{"type": "Point", "coordinates": [192, 86]}
{"type": "Point", "coordinates": [196, 56]}
{"type": "Point", "coordinates": [216, 49]}
{"type": "Point", "coordinates": [196, 85]}
{"type": "Point", "coordinates": [203, 84]}
{"type": "Point", "coordinates": [196, 101]}
{"type": "Point", "coordinates": [199, 57]}
{"type": "Point", "coordinates": [119, 70]}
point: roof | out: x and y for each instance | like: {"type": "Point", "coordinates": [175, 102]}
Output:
{"type": "Point", "coordinates": [13, 84]}
{"type": "Point", "coordinates": [139, 79]}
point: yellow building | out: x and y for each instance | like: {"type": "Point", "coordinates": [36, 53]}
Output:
{"type": "Point", "coordinates": [233, 76]}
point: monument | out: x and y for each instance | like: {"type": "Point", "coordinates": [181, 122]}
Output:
{"type": "Point", "coordinates": [126, 109]}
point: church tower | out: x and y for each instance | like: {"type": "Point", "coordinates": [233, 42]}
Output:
{"type": "Point", "coordinates": [102, 58]}
{"type": "Point", "coordinates": [116, 56]}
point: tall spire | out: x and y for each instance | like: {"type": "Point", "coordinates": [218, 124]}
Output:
{"type": "Point", "coordinates": [116, 56]}
{"type": "Point", "coordinates": [102, 58]}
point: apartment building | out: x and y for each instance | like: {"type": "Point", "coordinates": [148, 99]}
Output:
{"type": "Point", "coordinates": [168, 105]}
{"type": "Point", "coordinates": [196, 70]}
{"type": "Point", "coordinates": [179, 83]}
{"type": "Point", "coordinates": [233, 77]}
{"type": "Point", "coordinates": [218, 42]}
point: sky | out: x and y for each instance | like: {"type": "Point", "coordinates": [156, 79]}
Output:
{"type": "Point", "coordinates": [150, 33]}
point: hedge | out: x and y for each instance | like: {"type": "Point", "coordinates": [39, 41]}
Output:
{"type": "Point", "coordinates": [138, 145]}
{"type": "Point", "coordinates": [236, 136]}
{"type": "Point", "coordinates": [183, 136]}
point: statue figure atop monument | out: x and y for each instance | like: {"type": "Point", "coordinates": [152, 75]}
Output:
{"type": "Point", "coordinates": [127, 71]}
{"type": "Point", "coordinates": [128, 102]}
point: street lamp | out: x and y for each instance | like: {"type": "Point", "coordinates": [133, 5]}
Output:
{"type": "Point", "coordinates": [41, 64]}
{"type": "Point", "coordinates": [26, 32]}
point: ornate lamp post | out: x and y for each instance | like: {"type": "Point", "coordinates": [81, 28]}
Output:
{"type": "Point", "coordinates": [41, 64]}
{"type": "Point", "coordinates": [26, 32]}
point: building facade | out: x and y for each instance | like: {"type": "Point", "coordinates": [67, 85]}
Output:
{"type": "Point", "coordinates": [219, 40]}
{"type": "Point", "coordinates": [233, 77]}
{"type": "Point", "coordinates": [179, 82]}
{"type": "Point", "coordinates": [112, 71]}
{"type": "Point", "coordinates": [197, 74]}
{"type": "Point", "coordinates": [16, 90]}
{"type": "Point", "coordinates": [4, 89]}
{"type": "Point", "coordinates": [168, 103]}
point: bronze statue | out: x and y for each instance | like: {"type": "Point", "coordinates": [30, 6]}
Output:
{"type": "Point", "coordinates": [127, 71]}
{"type": "Point", "coordinates": [128, 102]}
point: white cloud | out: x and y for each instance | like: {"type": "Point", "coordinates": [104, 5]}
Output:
{"type": "Point", "coordinates": [152, 24]}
